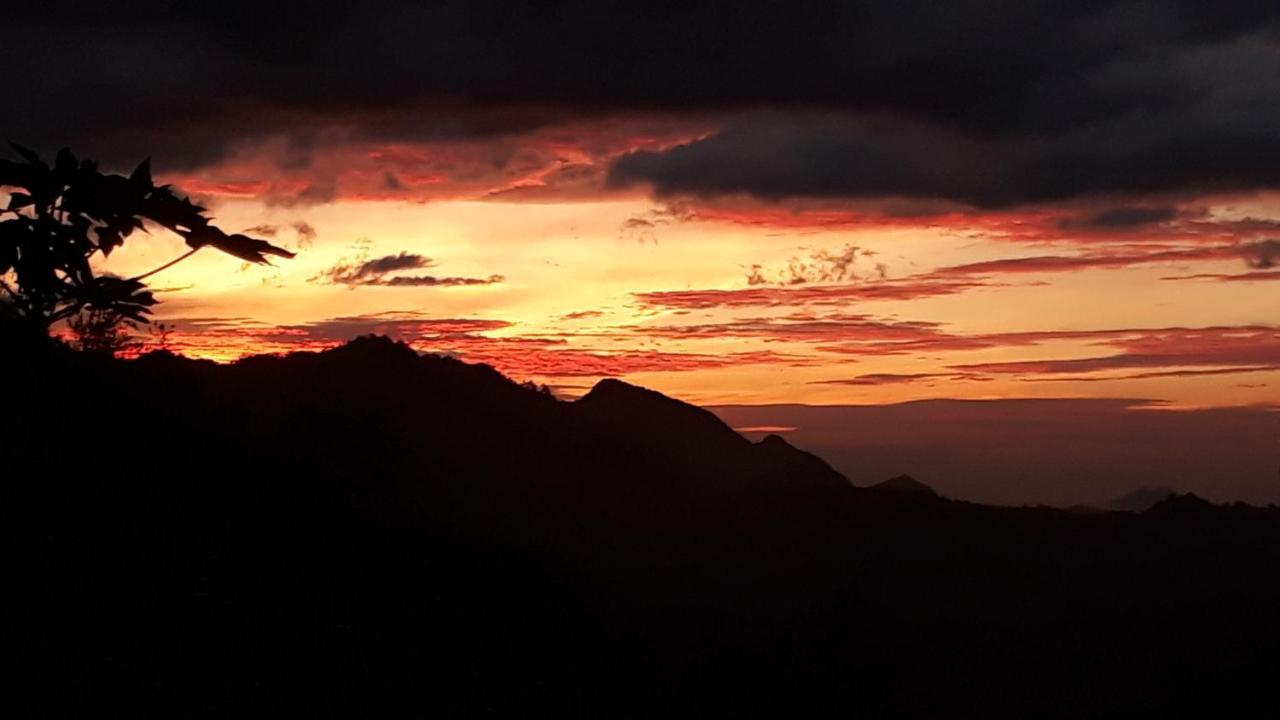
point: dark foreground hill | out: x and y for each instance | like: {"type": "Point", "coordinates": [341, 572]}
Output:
{"type": "Point", "coordinates": [369, 533]}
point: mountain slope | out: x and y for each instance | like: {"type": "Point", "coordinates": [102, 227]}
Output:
{"type": "Point", "coordinates": [1140, 499]}
{"type": "Point", "coordinates": [366, 531]}
{"type": "Point", "coordinates": [904, 484]}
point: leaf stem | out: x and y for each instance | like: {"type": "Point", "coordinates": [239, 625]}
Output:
{"type": "Point", "coordinates": [166, 266]}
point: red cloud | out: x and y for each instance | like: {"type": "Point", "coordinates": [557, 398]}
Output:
{"type": "Point", "coordinates": [1224, 346]}
{"type": "Point", "coordinates": [948, 280]}
{"type": "Point", "coordinates": [871, 379]}
{"type": "Point", "coordinates": [524, 362]}
{"type": "Point", "coordinates": [863, 328]}
{"type": "Point", "coordinates": [1112, 260]}
{"type": "Point", "coordinates": [1255, 276]}
{"type": "Point", "coordinates": [860, 335]}
{"type": "Point", "coordinates": [464, 337]}
{"type": "Point", "coordinates": [908, 289]}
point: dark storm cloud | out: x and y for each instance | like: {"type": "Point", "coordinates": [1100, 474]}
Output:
{"type": "Point", "coordinates": [787, 155]}
{"type": "Point", "coordinates": [990, 102]}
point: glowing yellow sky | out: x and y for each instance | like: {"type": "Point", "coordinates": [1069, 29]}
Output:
{"type": "Point", "coordinates": [591, 257]}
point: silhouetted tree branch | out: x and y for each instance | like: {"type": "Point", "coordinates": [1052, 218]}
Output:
{"type": "Point", "coordinates": [59, 217]}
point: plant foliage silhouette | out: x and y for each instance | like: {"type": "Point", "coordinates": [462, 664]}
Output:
{"type": "Point", "coordinates": [60, 217]}
{"type": "Point", "coordinates": [101, 331]}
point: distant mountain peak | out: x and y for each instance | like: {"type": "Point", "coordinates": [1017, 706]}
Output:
{"type": "Point", "coordinates": [620, 395]}
{"type": "Point", "coordinates": [1182, 503]}
{"type": "Point", "coordinates": [1141, 499]}
{"type": "Point", "coordinates": [610, 388]}
{"type": "Point", "coordinates": [374, 346]}
{"type": "Point", "coordinates": [614, 402]}
{"type": "Point", "coordinates": [905, 484]}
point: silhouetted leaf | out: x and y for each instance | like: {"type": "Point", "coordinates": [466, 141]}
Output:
{"type": "Point", "coordinates": [11, 173]}
{"type": "Point", "coordinates": [8, 256]}
{"type": "Point", "coordinates": [19, 200]}
{"type": "Point", "coordinates": [66, 162]}
{"type": "Point", "coordinates": [241, 246]}
{"type": "Point", "coordinates": [142, 174]}
{"type": "Point", "coordinates": [108, 240]}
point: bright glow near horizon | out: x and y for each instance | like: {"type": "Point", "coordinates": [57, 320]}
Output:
{"type": "Point", "coordinates": [572, 305]}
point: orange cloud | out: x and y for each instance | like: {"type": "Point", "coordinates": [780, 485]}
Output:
{"type": "Point", "coordinates": [466, 338]}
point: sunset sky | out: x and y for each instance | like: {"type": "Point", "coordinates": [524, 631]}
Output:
{"type": "Point", "coordinates": [874, 204]}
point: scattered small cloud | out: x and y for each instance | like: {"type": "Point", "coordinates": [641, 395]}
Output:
{"type": "Point", "coordinates": [264, 230]}
{"type": "Point", "coordinates": [432, 281]}
{"type": "Point", "coordinates": [370, 272]}
{"type": "Point", "coordinates": [382, 272]}
{"type": "Point", "coordinates": [820, 266]}
{"type": "Point", "coordinates": [643, 228]}
{"type": "Point", "coordinates": [305, 232]}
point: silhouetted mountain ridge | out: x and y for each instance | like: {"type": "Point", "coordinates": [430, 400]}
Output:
{"type": "Point", "coordinates": [1140, 499]}
{"type": "Point", "coordinates": [369, 531]}
{"type": "Point", "coordinates": [904, 484]}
